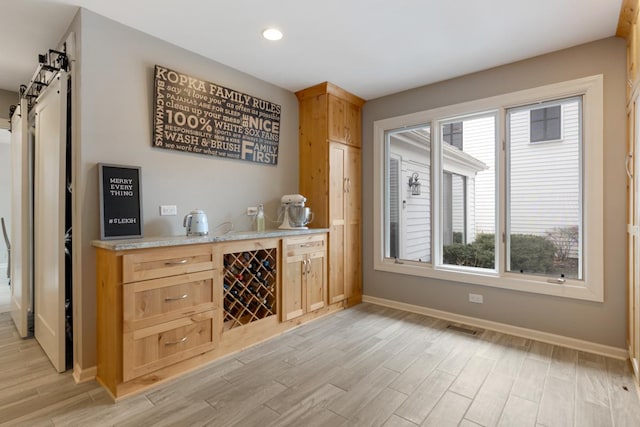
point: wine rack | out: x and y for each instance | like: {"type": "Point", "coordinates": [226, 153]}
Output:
{"type": "Point", "coordinates": [249, 286]}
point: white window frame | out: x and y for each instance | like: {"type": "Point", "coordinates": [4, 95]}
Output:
{"type": "Point", "coordinates": [591, 287]}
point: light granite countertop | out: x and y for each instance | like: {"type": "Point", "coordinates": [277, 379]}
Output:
{"type": "Point", "coordinates": [156, 242]}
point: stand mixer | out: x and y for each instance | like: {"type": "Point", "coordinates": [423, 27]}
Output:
{"type": "Point", "coordinates": [296, 215]}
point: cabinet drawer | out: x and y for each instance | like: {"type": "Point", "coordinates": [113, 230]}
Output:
{"type": "Point", "coordinates": [146, 350]}
{"type": "Point", "coordinates": [304, 245]}
{"type": "Point", "coordinates": [169, 298]}
{"type": "Point", "coordinates": [152, 264]}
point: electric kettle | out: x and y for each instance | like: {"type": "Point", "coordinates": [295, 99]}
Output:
{"type": "Point", "coordinates": [196, 223]}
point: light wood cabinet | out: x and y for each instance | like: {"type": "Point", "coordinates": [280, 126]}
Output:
{"type": "Point", "coordinates": [330, 178]}
{"type": "Point", "coordinates": [156, 308]}
{"type": "Point", "coordinates": [250, 281]}
{"type": "Point", "coordinates": [304, 286]}
{"type": "Point", "coordinates": [345, 224]}
{"type": "Point", "coordinates": [163, 311]}
{"type": "Point", "coordinates": [344, 121]}
{"type": "Point", "coordinates": [629, 25]}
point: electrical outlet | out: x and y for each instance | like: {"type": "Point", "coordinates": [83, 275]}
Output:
{"type": "Point", "coordinates": [252, 211]}
{"type": "Point", "coordinates": [475, 298]}
{"type": "Point", "coordinates": [168, 210]}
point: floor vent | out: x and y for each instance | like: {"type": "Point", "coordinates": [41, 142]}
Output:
{"type": "Point", "coordinates": [462, 329]}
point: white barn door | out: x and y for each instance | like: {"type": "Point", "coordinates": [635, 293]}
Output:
{"type": "Point", "coordinates": [20, 219]}
{"type": "Point", "coordinates": [49, 220]}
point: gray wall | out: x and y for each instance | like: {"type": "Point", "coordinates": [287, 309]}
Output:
{"type": "Point", "coordinates": [7, 98]}
{"type": "Point", "coordinates": [115, 106]}
{"type": "Point", "coordinates": [603, 323]}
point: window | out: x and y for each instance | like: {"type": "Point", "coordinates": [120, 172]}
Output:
{"type": "Point", "coordinates": [545, 124]}
{"type": "Point", "coordinates": [452, 134]}
{"type": "Point", "coordinates": [492, 208]}
{"type": "Point", "coordinates": [408, 218]}
{"type": "Point", "coordinates": [467, 192]}
{"type": "Point", "coordinates": [544, 226]}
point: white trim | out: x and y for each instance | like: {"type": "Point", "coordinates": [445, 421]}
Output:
{"type": "Point", "coordinates": [83, 375]}
{"type": "Point", "coordinates": [592, 287]}
{"type": "Point", "coordinates": [574, 343]}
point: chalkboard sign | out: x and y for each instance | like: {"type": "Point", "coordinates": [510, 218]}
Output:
{"type": "Point", "coordinates": [198, 116]}
{"type": "Point", "coordinates": [120, 198]}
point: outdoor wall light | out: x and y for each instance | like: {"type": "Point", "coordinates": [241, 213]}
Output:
{"type": "Point", "coordinates": [414, 184]}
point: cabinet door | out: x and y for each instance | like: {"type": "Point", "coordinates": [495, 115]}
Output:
{"type": "Point", "coordinates": [316, 280]}
{"type": "Point", "coordinates": [344, 121]}
{"type": "Point", "coordinates": [353, 128]}
{"type": "Point", "coordinates": [293, 303]}
{"type": "Point", "coordinates": [352, 250]}
{"type": "Point", "coordinates": [337, 119]}
{"type": "Point", "coordinates": [337, 210]}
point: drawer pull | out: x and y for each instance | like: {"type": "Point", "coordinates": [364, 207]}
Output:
{"type": "Point", "coordinates": [176, 298]}
{"type": "Point", "coordinates": [176, 342]}
{"type": "Point", "coordinates": [306, 245]}
{"type": "Point", "coordinates": [184, 261]}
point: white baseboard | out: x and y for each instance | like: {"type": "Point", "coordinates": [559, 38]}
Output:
{"type": "Point", "coordinates": [83, 375]}
{"type": "Point", "coordinates": [587, 346]}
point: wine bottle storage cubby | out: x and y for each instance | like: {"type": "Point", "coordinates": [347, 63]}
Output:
{"type": "Point", "coordinates": [249, 286]}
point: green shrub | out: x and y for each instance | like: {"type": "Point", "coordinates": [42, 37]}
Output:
{"type": "Point", "coordinates": [531, 254]}
{"type": "Point", "coordinates": [477, 254]}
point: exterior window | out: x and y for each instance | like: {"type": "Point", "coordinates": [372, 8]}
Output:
{"type": "Point", "coordinates": [544, 230]}
{"type": "Point", "coordinates": [452, 134]}
{"type": "Point", "coordinates": [461, 194]}
{"type": "Point", "coordinates": [545, 124]}
{"type": "Point", "coordinates": [408, 218]}
{"type": "Point", "coordinates": [468, 193]}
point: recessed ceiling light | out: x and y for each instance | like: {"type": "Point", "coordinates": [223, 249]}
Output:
{"type": "Point", "coordinates": [272, 34]}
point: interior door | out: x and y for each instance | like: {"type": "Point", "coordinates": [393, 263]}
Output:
{"type": "Point", "coordinates": [21, 232]}
{"type": "Point", "coordinates": [49, 220]}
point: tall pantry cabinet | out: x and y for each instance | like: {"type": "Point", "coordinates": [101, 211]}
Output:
{"type": "Point", "coordinates": [330, 178]}
{"type": "Point", "coordinates": [628, 28]}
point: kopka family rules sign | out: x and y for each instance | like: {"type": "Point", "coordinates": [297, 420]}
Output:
{"type": "Point", "coordinates": [201, 117]}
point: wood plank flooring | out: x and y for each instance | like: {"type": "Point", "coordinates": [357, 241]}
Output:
{"type": "Point", "coordinates": [366, 366]}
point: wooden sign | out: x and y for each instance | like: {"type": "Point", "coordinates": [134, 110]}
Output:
{"type": "Point", "coordinates": [120, 201]}
{"type": "Point", "coordinates": [198, 116]}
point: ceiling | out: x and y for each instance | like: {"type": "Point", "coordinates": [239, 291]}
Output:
{"type": "Point", "coordinates": [371, 48]}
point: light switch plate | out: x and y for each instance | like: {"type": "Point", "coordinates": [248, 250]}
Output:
{"type": "Point", "coordinates": [168, 210]}
{"type": "Point", "coordinates": [475, 298]}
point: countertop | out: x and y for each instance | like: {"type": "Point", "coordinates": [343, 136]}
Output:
{"type": "Point", "coordinates": [156, 242]}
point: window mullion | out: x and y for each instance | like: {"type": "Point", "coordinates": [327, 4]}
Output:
{"type": "Point", "coordinates": [436, 201]}
{"type": "Point", "coordinates": [501, 190]}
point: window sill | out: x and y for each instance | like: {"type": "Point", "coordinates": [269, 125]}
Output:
{"type": "Point", "coordinates": [516, 282]}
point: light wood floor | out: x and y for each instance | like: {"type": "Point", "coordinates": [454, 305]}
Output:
{"type": "Point", "coordinates": [366, 366]}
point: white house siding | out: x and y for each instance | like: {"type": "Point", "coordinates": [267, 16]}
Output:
{"type": "Point", "coordinates": [416, 214]}
{"type": "Point", "coordinates": [414, 225]}
{"type": "Point", "coordinates": [545, 176]}
{"type": "Point", "coordinates": [479, 141]}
